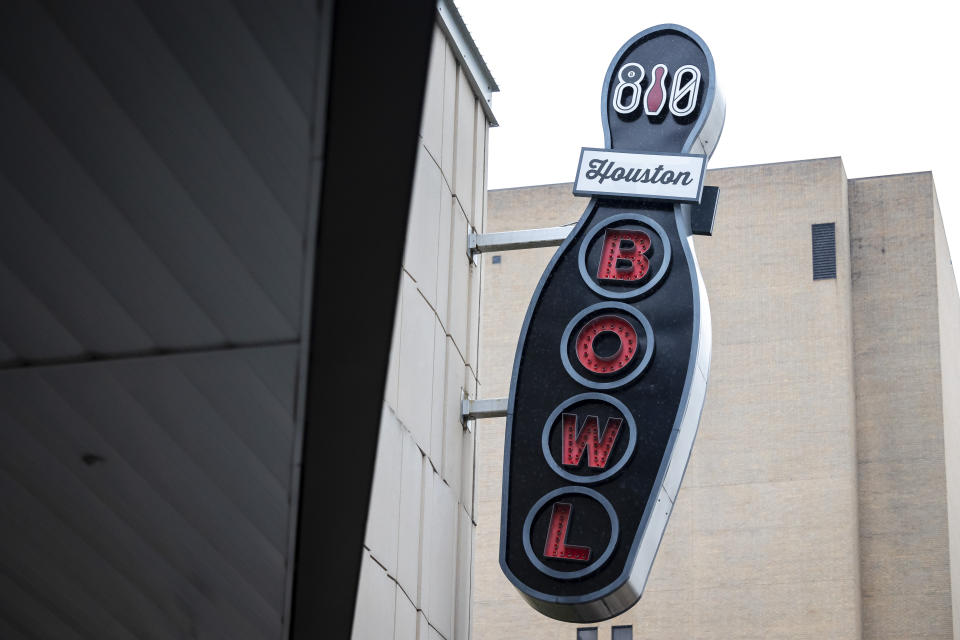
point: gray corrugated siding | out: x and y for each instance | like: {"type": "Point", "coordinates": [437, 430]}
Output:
{"type": "Point", "coordinates": [154, 201]}
{"type": "Point", "coordinates": [154, 179]}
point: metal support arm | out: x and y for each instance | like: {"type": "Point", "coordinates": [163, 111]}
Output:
{"type": "Point", "coordinates": [513, 240]}
{"type": "Point", "coordinates": [478, 409]}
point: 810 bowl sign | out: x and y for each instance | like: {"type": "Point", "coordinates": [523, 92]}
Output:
{"type": "Point", "coordinates": [611, 367]}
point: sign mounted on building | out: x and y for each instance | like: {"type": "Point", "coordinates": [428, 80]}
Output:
{"type": "Point", "coordinates": [611, 367]}
{"type": "Point", "coordinates": [677, 177]}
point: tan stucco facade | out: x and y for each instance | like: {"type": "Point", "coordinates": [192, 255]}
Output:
{"type": "Point", "coordinates": [816, 501]}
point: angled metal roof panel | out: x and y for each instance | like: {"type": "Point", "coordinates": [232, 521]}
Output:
{"type": "Point", "coordinates": [467, 53]}
{"type": "Point", "coordinates": [130, 482]}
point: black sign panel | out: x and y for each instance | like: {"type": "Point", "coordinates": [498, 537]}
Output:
{"type": "Point", "coordinates": [611, 367]}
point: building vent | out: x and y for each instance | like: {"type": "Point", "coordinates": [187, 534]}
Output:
{"type": "Point", "coordinates": [824, 251]}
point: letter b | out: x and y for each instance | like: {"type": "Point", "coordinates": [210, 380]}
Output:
{"type": "Point", "coordinates": [623, 256]}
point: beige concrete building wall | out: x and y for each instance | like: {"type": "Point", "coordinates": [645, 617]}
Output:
{"type": "Point", "coordinates": [949, 326]}
{"type": "Point", "coordinates": [771, 485]}
{"type": "Point", "coordinates": [812, 465]}
{"type": "Point", "coordinates": [905, 564]}
{"type": "Point", "coordinates": [416, 575]}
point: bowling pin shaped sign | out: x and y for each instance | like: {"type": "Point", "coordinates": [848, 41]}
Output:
{"type": "Point", "coordinates": [611, 368]}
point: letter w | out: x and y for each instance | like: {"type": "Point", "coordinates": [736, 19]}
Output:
{"type": "Point", "coordinates": [589, 438]}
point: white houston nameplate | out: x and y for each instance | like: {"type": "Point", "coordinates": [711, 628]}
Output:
{"type": "Point", "coordinates": [661, 176]}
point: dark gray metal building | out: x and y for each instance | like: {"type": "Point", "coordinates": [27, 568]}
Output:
{"type": "Point", "coordinates": [187, 313]}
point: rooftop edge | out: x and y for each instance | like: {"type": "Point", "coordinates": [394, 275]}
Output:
{"type": "Point", "coordinates": [468, 55]}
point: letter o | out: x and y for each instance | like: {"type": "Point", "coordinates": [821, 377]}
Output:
{"type": "Point", "coordinates": [607, 344]}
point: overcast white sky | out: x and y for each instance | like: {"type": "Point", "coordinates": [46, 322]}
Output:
{"type": "Point", "coordinates": [872, 82]}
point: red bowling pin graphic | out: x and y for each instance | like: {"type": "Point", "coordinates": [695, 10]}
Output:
{"type": "Point", "coordinates": [656, 96]}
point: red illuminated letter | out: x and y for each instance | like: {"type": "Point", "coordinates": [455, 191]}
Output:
{"type": "Point", "coordinates": [623, 255]}
{"type": "Point", "coordinates": [588, 438]}
{"type": "Point", "coordinates": [606, 344]}
{"type": "Point", "coordinates": [557, 546]}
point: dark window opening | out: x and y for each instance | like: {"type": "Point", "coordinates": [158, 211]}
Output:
{"type": "Point", "coordinates": [624, 632]}
{"type": "Point", "coordinates": [496, 259]}
{"type": "Point", "coordinates": [587, 633]}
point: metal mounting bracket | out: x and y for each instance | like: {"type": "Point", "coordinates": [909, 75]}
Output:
{"type": "Point", "coordinates": [514, 240]}
{"type": "Point", "coordinates": [471, 410]}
